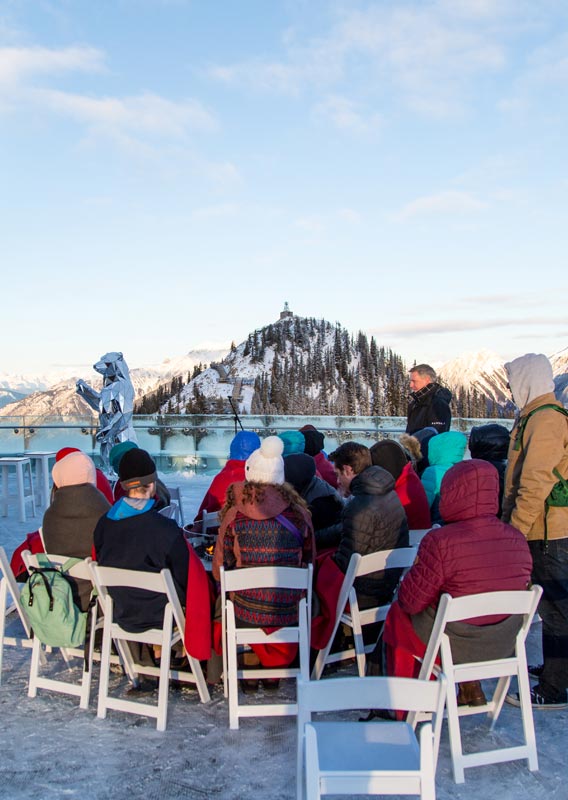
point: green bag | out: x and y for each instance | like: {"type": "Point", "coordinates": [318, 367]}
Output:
{"type": "Point", "coordinates": [47, 598]}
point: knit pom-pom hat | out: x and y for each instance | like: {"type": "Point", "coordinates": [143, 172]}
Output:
{"type": "Point", "coordinates": [74, 469]}
{"type": "Point", "coordinates": [266, 464]}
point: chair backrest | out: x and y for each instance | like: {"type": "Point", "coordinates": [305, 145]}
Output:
{"type": "Point", "coordinates": [79, 570]}
{"type": "Point", "coordinates": [175, 501]}
{"type": "Point", "coordinates": [9, 585]}
{"type": "Point", "coordinates": [415, 536]}
{"type": "Point", "coordinates": [454, 609]}
{"type": "Point", "coordinates": [236, 580]}
{"type": "Point", "coordinates": [210, 519]}
{"type": "Point", "coordinates": [342, 694]}
{"type": "Point", "coordinates": [399, 558]}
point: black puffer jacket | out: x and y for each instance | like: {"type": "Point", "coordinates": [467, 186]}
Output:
{"type": "Point", "coordinates": [325, 507]}
{"type": "Point", "coordinates": [491, 443]}
{"type": "Point", "coordinates": [429, 407]}
{"type": "Point", "coordinates": [373, 520]}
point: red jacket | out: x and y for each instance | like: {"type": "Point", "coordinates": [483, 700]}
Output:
{"type": "Point", "coordinates": [232, 472]}
{"type": "Point", "coordinates": [412, 495]}
{"type": "Point", "coordinates": [475, 552]}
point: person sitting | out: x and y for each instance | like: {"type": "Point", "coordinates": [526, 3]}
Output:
{"type": "Point", "coordinates": [103, 484]}
{"type": "Point", "coordinates": [313, 446]}
{"type": "Point", "coordinates": [265, 522]}
{"type": "Point", "coordinates": [392, 457]}
{"type": "Point", "coordinates": [372, 520]}
{"type": "Point", "coordinates": [162, 497]}
{"type": "Point", "coordinates": [242, 445]}
{"type": "Point", "coordinates": [75, 509]}
{"type": "Point", "coordinates": [473, 552]}
{"type": "Point", "coordinates": [423, 437]}
{"type": "Point", "coordinates": [444, 450]}
{"type": "Point", "coordinates": [133, 535]}
{"type": "Point", "coordinates": [491, 443]}
{"type": "Point", "coordinates": [324, 503]}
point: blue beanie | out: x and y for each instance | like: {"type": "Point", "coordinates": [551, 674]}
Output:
{"type": "Point", "coordinates": [244, 443]}
{"type": "Point", "coordinates": [294, 442]}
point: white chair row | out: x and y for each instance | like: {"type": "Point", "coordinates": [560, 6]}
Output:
{"type": "Point", "coordinates": [235, 638]}
{"type": "Point", "coordinates": [349, 613]}
{"type": "Point", "coordinates": [166, 637]}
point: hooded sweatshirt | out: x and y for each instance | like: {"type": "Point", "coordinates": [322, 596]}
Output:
{"type": "Point", "coordinates": [444, 451]}
{"type": "Point", "coordinates": [529, 477]}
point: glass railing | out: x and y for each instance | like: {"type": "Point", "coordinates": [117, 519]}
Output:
{"type": "Point", "coordinates": [181, 442]}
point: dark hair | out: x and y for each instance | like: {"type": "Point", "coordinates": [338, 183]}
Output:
{"type": "Point", "coordinates": [424, 369]}
{"type": "Point", "coordinates": [351, 454]}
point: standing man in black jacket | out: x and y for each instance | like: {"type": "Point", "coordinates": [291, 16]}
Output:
{"type": "Point", "coordinates": [372, 520]}
{"type": "Point", "coordinates": [429, 405]}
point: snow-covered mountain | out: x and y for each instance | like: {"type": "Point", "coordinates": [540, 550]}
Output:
{"type": "Point", "coordinates": [480, 371]}
{"type": "Point", "coordinates": [559, 363]}
{"type": "Point", "coordinates": [484, 372]}
{"type": "Point", "coordinates": [60, 399]}
{"type": "Point", "coordinates": [297, 365]}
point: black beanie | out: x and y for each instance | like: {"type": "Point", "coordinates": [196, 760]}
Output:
{"type": "Point", "coordinates": [299, 469]}
{"type": "Point", "coordinates": [390, 456]}
{"type": "Point", "coordinates": [314, 440]}
{"type": "Point", "coordinates": [136, 468]}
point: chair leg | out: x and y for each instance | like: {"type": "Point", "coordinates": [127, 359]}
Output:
{"type": "Point", "coordinates": [527, 716]}
{"type": "Point", "coordinates": [359, 645]}
{"type": "Point", "coordinates": [232, 673]}
{"type": "Point", "coordinates": [454, 731]}
{"type": "Point", "coordinates": [104, 670]}
{"type": "Point", "coordinates": [34, 668]}
{"type": "Point", "coordinates": [499, 698]}
{"type": "Point", "coordinates": [3, 603]}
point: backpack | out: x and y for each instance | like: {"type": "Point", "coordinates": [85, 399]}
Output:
{"type": "Point", "coordinates": [47, 598]}
{"type": "Point", "coordinates": [558, 497]}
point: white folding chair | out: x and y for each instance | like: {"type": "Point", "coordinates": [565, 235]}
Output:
{"type": "Point", "coordinates": [354, 617]}
{"type": "Point", "coordinates": [81, 688]}
{"type": "Point", "coordinates": [237, 580]}
{"type": "Point", "coordinates": [210, 519]}
{"type": "Point", "coordinates": [176, 505]}
{"type": "Point", "coordinates": [454, 609]}
{"type": "Point", "coordinates": [415, 536]}
{"type": "Point", "coordinates": [166, 637]}
{"type": "Point", "coordinates": [19, 633]}
{"type": "Point", "coordinates": [386, 757]}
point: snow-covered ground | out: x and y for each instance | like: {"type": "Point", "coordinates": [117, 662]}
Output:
{"type": "Point", "coordinates": [52, 749]}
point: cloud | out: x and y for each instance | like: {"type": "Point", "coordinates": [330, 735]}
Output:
{"type": "Point", "coordinates": [347, 115]}
{"type": "Point", "coordinates": [18, 64]}
{"type": "Point", "coordinates": [410, 329]}
{"type": "Point", "coordinates": [422, 55]}
{"type": "Point", "coordinates": [442, 203]}
{"type": "Point", "coordinates": [146, 113]}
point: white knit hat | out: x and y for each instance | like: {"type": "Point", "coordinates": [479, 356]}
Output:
{"type": "Point", "coordinates": [266, 464]}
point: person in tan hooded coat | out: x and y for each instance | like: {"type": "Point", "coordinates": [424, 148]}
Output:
{"type": "Point", "coordinates": [538, 446]}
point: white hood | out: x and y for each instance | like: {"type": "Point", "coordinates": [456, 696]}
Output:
{"type": "Point", "coordinates": [530, 376]}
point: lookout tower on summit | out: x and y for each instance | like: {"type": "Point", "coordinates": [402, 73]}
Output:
{"type": "Point", "coordinates": [286, 314]}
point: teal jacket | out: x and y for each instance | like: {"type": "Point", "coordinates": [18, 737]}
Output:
{"type": "Point", "coordinates": [444, 450]}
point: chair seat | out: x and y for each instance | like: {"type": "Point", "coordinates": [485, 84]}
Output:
{"type": "Point", "coordinates": [353, 747]}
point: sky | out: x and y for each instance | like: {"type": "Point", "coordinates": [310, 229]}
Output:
{"type": "Point", "coordinates": [173, 171]}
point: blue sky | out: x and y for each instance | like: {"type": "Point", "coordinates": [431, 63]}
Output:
{"type": "Point", "coordinates": [171, 171]}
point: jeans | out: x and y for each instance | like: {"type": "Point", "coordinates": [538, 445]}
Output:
{"type": "Point", "coordinates": [550, 570]}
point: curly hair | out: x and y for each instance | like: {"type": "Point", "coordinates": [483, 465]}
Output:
{"type": "Point", "coordinates": [253, 490]}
